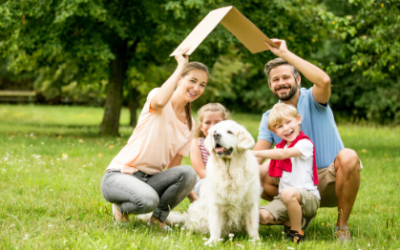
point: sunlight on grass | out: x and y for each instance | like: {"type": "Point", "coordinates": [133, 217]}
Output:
{"type": "Point", "coordinates": [52, 161]}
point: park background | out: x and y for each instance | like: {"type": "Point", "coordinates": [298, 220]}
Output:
{"type": "Point", "coordinates": [89, 64]}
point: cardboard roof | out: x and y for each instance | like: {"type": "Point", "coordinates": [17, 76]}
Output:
{"type": "Point", "coordinates": [241, 27]}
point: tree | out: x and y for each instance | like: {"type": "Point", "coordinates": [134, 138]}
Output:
{"type": "Point", "coordinates": [367, 84]}
{"type": "Point", "coordinates": [65, 41]}
{"type": "Point", "coordinates": [95, 41]}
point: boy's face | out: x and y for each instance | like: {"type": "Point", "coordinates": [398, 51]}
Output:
{"type": "Point", "coordinates": [289, 129]}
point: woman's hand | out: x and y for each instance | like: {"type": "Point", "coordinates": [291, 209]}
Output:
{"type": "Point", "coordinates": [181, 58]}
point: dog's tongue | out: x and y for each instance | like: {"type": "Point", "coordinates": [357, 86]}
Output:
{"type": "Point", "coordinates": [219, 149]}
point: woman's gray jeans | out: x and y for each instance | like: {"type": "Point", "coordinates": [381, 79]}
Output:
{"type": "Point", "coordinates": [141, 193]}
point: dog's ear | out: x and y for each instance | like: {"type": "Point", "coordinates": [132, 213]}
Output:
{"type": "Point", "coordinates": [208, 141]}
{"type": "Point", "coordinates": [245, 140]}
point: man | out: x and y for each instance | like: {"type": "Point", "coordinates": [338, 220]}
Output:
{"type": "Point", "coordinates": [338, 167]}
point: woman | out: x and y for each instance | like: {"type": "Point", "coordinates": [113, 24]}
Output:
{"type": "Point", "coordinates": [135, 181]}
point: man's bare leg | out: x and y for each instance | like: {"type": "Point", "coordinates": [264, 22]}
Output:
{"type": "Point", "coordinates": [347, 183]}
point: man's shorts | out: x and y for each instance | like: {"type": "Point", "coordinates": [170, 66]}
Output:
{"type": "Point", "coordinates": [309, 206]}
{"type": "Point", "coordinates": [326, 185]}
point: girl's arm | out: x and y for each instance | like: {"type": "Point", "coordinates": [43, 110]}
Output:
{"type": "Point", "coordinates": [278, 153]}
{"type": "Point", "coordinates": [197, 159]}
{"type": "Point", "coordinates": [167, 89]}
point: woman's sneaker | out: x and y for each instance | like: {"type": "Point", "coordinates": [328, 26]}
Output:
{"type": "Point", "coordinates": [295, 236]}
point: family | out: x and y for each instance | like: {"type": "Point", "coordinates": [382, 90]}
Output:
{"type": "Point", "coordinates": [308, 168]}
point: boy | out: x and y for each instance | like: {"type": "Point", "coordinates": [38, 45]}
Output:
{"type": "Point", "coordinates": [293, 161]}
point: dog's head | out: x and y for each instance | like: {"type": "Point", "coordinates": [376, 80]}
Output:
{"type": "Point", "coordinates": [226, 138]}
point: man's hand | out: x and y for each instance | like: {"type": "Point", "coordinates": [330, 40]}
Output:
{"type": "Point", "coordinates": [281, 48]}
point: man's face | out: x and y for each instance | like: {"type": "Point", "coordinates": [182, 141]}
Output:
{"type": "Point", "coordinates": [282, 82]}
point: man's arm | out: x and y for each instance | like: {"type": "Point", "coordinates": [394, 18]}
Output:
{"type": "Point", "coordinates": [322, 82]}
{"type": "Point", "coordinates": [262, 145]}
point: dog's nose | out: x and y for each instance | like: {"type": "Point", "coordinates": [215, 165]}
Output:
{"type": "Point", "coordinates": [217, 136]}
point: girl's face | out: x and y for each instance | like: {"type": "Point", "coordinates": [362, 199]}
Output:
{"type": "Point", "coordinates": [209, 120]}
{"type": "Point", "coordinates": [192, 85]}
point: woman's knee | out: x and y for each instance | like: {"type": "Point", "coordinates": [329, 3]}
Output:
{"type": "Point", "coordinates": [146, 204]}
{"type": "Point", "coordinates": [188, 174]}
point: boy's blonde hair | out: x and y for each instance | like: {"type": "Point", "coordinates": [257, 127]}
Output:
{"type": "Point", "coordinates": [210, 107]}
{"type": "Point", "coordinates": [279, 112]}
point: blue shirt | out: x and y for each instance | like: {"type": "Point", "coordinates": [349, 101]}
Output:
{"type": "Point", "coordinates": [317, 123]}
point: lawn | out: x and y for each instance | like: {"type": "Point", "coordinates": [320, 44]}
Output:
{"type": "Point", "coordinates": [52, 161]}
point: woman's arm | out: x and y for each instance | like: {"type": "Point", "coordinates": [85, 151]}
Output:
{"type": "Point", "coordinates": [197, 159]}
{"type": "Point", "coordinates": [278, 153]}
{"type": "Point", "coordinates": [175, 162]}
{"type": "Point", "coordinates": [167, 89]}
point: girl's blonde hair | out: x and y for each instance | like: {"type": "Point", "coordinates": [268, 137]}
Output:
{"type": "Point", "coordinates": [188, 108]}
{"type": "Point", "coordinates": [279, 112]}
{"type": "Point", "coordinates": [210, 107]}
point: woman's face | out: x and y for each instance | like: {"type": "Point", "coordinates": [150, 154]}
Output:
{"type": "Point", "coordinates": [192, 85]}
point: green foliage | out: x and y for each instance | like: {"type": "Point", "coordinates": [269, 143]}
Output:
{"type": "Point", "coordinates": [366, 77]}
{"type": "Point", "coordinates": [71, 41]}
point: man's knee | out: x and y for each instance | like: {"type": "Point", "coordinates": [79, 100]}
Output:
{"type": "Point", "coordinates": [347, 161]}
{"type": "Point", "coordinates": [265, 217]}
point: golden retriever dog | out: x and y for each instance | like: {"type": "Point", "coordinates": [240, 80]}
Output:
{"type": "Point", "coordinates": [229, 196]}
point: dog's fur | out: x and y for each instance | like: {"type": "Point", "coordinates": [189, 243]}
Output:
{"type": "Point", "coordinates": [229, 196]}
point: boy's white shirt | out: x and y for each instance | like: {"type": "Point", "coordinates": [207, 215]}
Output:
{"type": "Point", "coordinates": [302, 170]}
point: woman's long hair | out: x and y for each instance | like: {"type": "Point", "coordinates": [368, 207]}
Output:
{"type": "Point", "coordinates": [188, 108]}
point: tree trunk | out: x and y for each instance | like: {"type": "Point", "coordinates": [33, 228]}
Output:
{"type": "Point", "coordinates": [118, 67]}
{"type": "Point", "coordinates": [133, 105]}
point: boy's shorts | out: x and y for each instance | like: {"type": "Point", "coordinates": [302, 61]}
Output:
{"type": "Point", "coordinates": [326, 185]}
{"type": "Point", "coordinates": [309, 206]}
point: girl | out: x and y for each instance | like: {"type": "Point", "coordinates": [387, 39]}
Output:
{"type": "Point", "coordinates": [135, 181]}
{"type": "Point", "coordinates": [208, 115]}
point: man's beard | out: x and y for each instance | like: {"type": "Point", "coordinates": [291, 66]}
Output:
{"type": "Point", "coordinates": [288, 96]}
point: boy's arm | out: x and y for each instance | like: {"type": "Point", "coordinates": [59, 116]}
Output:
{"type": "Point", "coordinates": [278, 153]}
{"type": "Point", "coordinates": [262, 145]}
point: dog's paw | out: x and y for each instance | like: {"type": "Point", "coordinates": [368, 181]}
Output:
{"type": "Point", "coordinates": [210, 241]}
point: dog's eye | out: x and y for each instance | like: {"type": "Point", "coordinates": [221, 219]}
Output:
{"type": "Point", "coordinates": [229, 132]}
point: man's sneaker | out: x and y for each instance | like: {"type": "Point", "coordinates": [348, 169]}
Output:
{"type": "Point", "coordinates": [295, 236]}
{"type": "Point", "coordinates": [307, 221]}
{"type": "Point", "coordinates": [342, 234]}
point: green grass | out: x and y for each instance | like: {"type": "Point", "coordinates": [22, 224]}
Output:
{"type": "Point", "coordinates": [52, 161]}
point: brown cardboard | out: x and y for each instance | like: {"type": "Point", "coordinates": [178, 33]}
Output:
{"type": "Point", "coordinates": [241, 27]}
